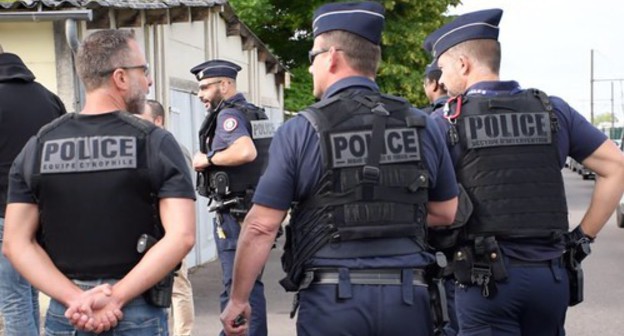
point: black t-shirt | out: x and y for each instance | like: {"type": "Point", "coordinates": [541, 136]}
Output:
{"type": "Point", "coordinates": [166, 162]}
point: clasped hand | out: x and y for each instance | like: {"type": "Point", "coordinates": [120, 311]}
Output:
{"type": "Point", "coordinates": [95, 310]}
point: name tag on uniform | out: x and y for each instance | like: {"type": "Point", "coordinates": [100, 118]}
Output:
{"type": "Point", "coordinates": [262, 129]}
{"type": "Point", "coordinates": [351, 148]}
{"type": "Point", "coordinates": [89, 154]}
{"type": "Point", "coordinates": [508, 129]}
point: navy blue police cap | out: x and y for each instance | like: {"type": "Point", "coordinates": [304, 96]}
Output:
{"type": "Point", "coordinates": [432, 67]}
{"type": "Point", "coordinates": [470, 26]}
{"type": "Point", "coordinates": [365, 19]}
{"type": "Point", "coordinates": [215, 68]}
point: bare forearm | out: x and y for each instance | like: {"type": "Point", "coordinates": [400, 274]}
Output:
{"type": "Point", "coordinates": [252, 253]}
{"type": "Point", "coordinates": [606, 195]}
{"type": "Point", "coordinates": [35, 265]}
{"type": "Point", "coordinates": [161, 259]}
{"type": "Point", "coordinates": [178, 220]}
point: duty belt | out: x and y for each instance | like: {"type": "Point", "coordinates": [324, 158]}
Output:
{"type": "Point", "coordinates": [368, 276]}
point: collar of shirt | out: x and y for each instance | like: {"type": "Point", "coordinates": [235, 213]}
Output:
{"type": "Point", "coordinates": [237, 98]}
{"type": "Point", "coordinates": [350, 82]}
{"type": "Point", "coordinates": [494, 88]}
{"type": "Point", "coordinates": [440, 101]}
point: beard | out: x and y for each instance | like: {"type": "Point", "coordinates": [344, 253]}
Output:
{"type": "Point", "coordinates": [216, 101]}
{"type": "Point", "coordinates": [135, 102]}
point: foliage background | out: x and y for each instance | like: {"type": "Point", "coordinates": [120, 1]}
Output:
{"type": "Point", "coordinates": [285, 26]}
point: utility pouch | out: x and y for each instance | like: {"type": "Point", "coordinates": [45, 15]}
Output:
{"type": "Point", "coordinates": [495, 258]}
{"type": "Point", "coordinates": [462, 265]}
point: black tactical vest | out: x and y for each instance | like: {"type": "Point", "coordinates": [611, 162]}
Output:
{"type": "Point", "coordinates": [510, 166]}
{"type": "Point", "coordinates": [95, 194]}
{"type": "Point", "coordinates": [374, 182]}
{"type": "Point", "coordinates": [244, 178]}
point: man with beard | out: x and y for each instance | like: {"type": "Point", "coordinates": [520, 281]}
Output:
{"type": "Point", "coordinates": [230, 162]}
{"type": "Point", "coordinates": [100, 204]}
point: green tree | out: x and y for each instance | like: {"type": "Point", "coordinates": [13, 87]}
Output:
{"type": "Point", "coordinates": [285, 26]}
{"type": "Point", "coordinates": [604, 118]}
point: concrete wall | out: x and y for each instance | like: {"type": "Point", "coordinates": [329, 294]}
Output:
{"type": "Point", "coordinates": [33, 42]}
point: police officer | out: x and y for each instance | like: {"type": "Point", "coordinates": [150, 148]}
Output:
{"type": "Point", "coordinates": [508, 146]}
{"type": "Point", "coordinates": [230, 162]}
{"type": "Point", "coordinates": [364, 173]}
{"type": "Point", "coordinates": [435, 92]}
{"type": "Point", "coordinates": [88, 187]}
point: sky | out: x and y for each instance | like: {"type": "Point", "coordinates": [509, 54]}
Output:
{"type": "Point", "coordinates": [546, 44]}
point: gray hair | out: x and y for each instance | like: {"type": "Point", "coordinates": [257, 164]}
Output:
{"type": "Point", "coordinates": [100, 54]}
{"type": "Point", "coordinates": [1, 50]}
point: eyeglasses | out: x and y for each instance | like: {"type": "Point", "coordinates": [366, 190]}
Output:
{"type": "Point", "coordinates": [207, 85]}
{"type": "Point", "coordinates": [312, 54]}
{"type": "Point", "coordinates": [145, 68]}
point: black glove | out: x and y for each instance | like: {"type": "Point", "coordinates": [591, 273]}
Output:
{"type": "Point", "coordinates": [578, 242]}
{"type": "Point", "coordinates": [575, 236]}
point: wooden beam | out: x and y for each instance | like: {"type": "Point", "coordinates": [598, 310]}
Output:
{"type": "Point", "coordinates": [248, 43]}
{"type": "Point", "coordinates": [156, 16]}
{"type": "Point", "coordinates": [128, 18]}
{"type": "Point", "coordinates": [233, 29]}
{"type": "Point", "coordinates": [272, 66]}
{"type": "Point", "coordinates": [100, 20]}
{"type": "Point", "coordinates": [180, 14]}
{"type": "Point", "coordinates": [263, 55]}
{"type": "Point", "coordinates": [199, 13]}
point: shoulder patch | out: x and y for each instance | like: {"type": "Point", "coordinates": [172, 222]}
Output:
{"type": "Point", "coordinates": [230, 124]}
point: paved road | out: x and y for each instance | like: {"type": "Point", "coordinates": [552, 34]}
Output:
{"type": "Point", "coordinates": [600, 314]}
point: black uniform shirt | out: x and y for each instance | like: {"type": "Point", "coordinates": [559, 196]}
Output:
{"type": "Point", "coordinates": [166, 163]}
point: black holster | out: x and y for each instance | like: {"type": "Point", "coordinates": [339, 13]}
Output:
{"type": "Point", "coordinates": [437, 294]}
{"type": "Point", "coordinates": [202, 184]}
{"type": "Point", "coordinates": [158, 295]}
{"type": "Point", "coordinates": [572, 258]}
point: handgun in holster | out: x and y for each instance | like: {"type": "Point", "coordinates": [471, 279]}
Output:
{"type": "Point", "coordinates": [158, 295]}
{"type": "Point", "coordinates": [572, 258]}
{"type": "Point", "coordinates": [437, 294]}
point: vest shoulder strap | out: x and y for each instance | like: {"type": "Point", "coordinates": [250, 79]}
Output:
{"type": "Point", "coordinates": [143, 126]}
{"type": "Point", "coordinates": [54, 124]}
{"type": "Point", "coordinates": [251, 111]}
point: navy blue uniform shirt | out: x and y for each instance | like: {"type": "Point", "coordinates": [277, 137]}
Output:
{"type": "Point", "coordinates": [295, 168]}
{"type": "Point", "coordinates": [576, 138]}
{"type": "Point", "coordinates": [231, 125]}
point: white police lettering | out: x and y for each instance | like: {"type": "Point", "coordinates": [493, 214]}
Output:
{"type": "Point", "coordinates": [89, 154]}
{"type": "Point", "coordinates": [262, 129]}
{"type": "Point", "coordinates": [351, 148]}
{"type": "Point", "coordinates": [508, 129]}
